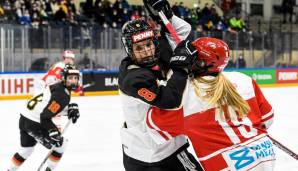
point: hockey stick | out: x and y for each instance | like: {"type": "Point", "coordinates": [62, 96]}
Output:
{"type": "Point", "coordinates": [88, 85]}
{"type": "Point", "coordinates": [92, 83]}
{"type": "Point", "coordinates": [51, 150]}
{"type": "Point", "coordinates": [169, 27]}
{"type": "Point", "coordinates": [284, 148]}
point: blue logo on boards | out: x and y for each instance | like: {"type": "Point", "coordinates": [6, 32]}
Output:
{"type": "Point", "coordinates": [242, 158]}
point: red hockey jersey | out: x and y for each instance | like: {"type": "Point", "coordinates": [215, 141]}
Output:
{"type": "Point", "coordinates": [240, 144]}
{"type": "Point", "coordinates": [54, 73]}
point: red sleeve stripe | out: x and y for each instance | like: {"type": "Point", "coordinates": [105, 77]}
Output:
{"type": "Point", "coordinates": [17, 162]}
{"type": "Point", "coordinates": [268, 123]}
{"type": "Point", "coordinates": [151, 125]}
{"type": "Point", "coordinates": [267, 115]}
{"type": "Point", "coordinates": [54, 158]}
{"type": "Point", "coordinates": [268, 118]}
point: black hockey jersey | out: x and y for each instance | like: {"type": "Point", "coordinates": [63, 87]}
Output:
{"type": "Point", "coordinates": [140, 88]}
{"type": "Point", "coordinates": [142, 83]}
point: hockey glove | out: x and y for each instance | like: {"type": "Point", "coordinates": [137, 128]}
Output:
{"type": "Point", "coordinates": [155, 6]}
{"type": "Point", "coordinates": [55, 138]}
{"type": "Point", "coordinates": [73, 112]}
{"type": "Point", "coordinates": [184, 56]}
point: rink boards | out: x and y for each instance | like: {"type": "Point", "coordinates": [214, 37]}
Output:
{"type": "Point", "coordinates": [96, 83]}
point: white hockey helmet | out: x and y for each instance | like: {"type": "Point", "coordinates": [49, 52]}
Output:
{"type": "Point", "coordinates": [68, 54]}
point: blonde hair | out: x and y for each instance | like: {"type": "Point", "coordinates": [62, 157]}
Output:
{"type": "Point", "coordinates": [220, 91]}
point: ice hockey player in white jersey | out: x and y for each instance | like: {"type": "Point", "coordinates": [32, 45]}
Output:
{"type": "Point", "coordinates": [139, 74]}
{"type": "Point", "coordinates": [36, 125]}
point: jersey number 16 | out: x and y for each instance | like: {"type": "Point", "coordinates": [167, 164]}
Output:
{"type": "Point", "coordinates": [229, 127]}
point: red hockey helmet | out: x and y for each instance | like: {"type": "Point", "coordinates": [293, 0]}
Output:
{"type": "Point", "coordinates": [68, 54]}
{"type": "Point", "coordinates": [213, 56]}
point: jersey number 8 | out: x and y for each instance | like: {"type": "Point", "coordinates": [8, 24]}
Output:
{"type": "Point", "coordinates": [33, 102]}
{"type": "Point", "coordinates": [146, 94]}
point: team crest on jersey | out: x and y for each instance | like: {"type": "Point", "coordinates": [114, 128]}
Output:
{"type": "Point", "coordinates": [142, 36]}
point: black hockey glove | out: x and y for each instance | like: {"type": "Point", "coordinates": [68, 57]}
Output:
{"type": "Point", "coordinates": [155, 6]}
{"type": "Point", "coordinates": [184, 56]}
{"type": "Point", "coordinates": [73, 112]}
{"type": "Point", "coordinates": [55, 138]}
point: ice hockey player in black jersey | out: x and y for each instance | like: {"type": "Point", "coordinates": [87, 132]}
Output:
{"type": "Point", "coordinates": [143, 84]}
{"type": "Point", "coordinates": [36, 125]}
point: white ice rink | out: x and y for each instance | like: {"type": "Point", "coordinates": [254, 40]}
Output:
{"type": "Point", "coordinates": [95, 142]}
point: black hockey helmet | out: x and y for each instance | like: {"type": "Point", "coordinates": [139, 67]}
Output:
{"type": "Point", "coordinates": [70, 69]}
{"type": "Point", "coordinates": [136, 31]}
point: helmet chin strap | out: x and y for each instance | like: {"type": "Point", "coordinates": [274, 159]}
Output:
{"type": "Point", "coordinates": [200, 68]}
{"type": "Point", "coordinates": [73, 86]}
{"type": "Point", "coordinates": [147, 62]}
{"type": "Point", "coordinates": [198, 65]}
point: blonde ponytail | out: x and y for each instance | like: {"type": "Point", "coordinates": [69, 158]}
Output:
{"type": "Point", "coordinates": [219, 91]}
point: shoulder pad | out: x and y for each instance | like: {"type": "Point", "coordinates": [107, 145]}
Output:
{"type": "Point", "coordinates": [59, 64]}
{"type": "Point", "coordinates": [57, 87]}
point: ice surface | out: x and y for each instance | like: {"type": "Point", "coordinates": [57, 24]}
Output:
{"type": "Point", "coordinates": [94, 142]}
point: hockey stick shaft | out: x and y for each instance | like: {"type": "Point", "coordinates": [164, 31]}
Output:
{"type": "Point", "coordinates": [51, 150]}
{"type": "Point", "coordinates": [169, 26]}
{"type": "Point", "coordinates": [88, 85]}
{"type": "Point", "coordinates": [284, 148]}
{"type": "Point", "coordinates": [92, 83]}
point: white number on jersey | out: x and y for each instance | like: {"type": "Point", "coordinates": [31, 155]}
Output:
{"type": "Point", "coordinates": [239, 124]}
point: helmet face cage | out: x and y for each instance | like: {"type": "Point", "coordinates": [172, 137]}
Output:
{"type": "Point", "coordinates": [213, 56]}
{"type": "Point", "coordinates": [136, 31]}
{"type": "Point", "coordinates": [70, 69]}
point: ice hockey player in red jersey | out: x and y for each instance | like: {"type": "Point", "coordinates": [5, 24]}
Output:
{"type": "Point", "coordinates": [224, 114]}
{"type": "Point", "coordinates": [53, 75]}
{"type": "Point", "coordinates": [36, 123]}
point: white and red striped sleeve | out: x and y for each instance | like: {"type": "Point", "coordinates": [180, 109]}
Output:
{"type": "Point", "coordinates": [164, 124]}
{"type": "Point", "coordinates": [266, 109]}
